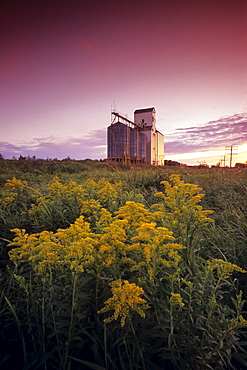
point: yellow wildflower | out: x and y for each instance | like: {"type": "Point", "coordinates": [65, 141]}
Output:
{"type": "Point", "coordinates": [108, 193]}
{"type": "Point", "coordinates": [134, 213]}
{"type": "Point", "coordinates": [22, 281]}
{"type": "Point", "coordinates": [91, 209]}
{"type": "Point", "coordinates": [224, 268]}
{"type": "Point", "coordinates": [105, 218]}
{"type": "Point", "coordinates": [71, 248]}
{"type": "Point", "coordinates": [188, 283]}
{"type": "Point", "coordinates": [181, 200]}
{"type": "Point", "coordinates": [125, 299]}
{"type": "Point", "coordinates": [14, 183]}
{"type": "Point", "coordinates": [7, 200]}
{"type": "Point", "coordinates": [176, 299]}
{"type": "Point", "coordinates": [154, 248]}
{"type": "Point", "coordinates": [71, 190]}
{"type": "Point", "coordinates": [112, 247]}
{"type": "Point", "coordinates": [239, 322]}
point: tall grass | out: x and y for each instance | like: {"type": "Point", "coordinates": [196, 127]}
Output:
{"type": "Point", "coordinates": [122, 267]}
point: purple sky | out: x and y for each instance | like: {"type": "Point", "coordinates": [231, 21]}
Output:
{"type": "Point", "coordinates": [64, 64]}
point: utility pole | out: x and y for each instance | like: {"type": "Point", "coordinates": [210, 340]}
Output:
{"type": "Point", "coordinates": [231, 148]}
{"type": "Point", "coordinates": [224, 161]}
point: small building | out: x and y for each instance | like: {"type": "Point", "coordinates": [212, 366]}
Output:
{"type": "Point", "coordinates": [135, 141]}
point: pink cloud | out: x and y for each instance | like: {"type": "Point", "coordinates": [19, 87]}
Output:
{"type": "Point", "coordinates": [230, 130]}
{"type": "Point", "coordinates": [93, 147]}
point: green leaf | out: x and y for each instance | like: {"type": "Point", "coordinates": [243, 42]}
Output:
{"type": "Point", "coordinates": [89, 364]}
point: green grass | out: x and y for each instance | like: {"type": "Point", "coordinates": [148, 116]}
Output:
{"type": "Point", "coordinates": [50, 321]}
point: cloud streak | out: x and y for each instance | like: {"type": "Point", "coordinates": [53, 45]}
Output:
{"type": "Point", "coordinates": [92, 146]}
{"type": "Point", "coordinates": [229, 130]}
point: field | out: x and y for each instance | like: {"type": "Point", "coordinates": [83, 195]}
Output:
{"type": "Point", "coordinates": [122, 267]}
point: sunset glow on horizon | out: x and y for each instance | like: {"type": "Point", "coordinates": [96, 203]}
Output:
{"type": "Point", "coordinates": [65, 64]}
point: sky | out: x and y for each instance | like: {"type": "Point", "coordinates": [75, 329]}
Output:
{"type": "Point", "coordinates": [65, 64]}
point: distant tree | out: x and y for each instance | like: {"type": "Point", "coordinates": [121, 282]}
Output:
{"type": "Point", "coordinates": [33, 158]}
{"type": "Point", "coordinates": [171, 163]}
{"type": "Point", "coordinates": [1, 156]}
{"type": "Point", "coordinates": [67, 159]}
{"type": "Point", "coordinates": [203, 164]}
{"type": "Point", "coordinates": [241, 164]}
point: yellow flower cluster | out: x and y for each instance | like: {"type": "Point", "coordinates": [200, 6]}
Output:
{"type": "Point", "coordinates": [224, 268]}
{"type": "Point", "coordinates": [96, 197]}
{"type": "Point", "coordinates": [180, 199]}
{"type": "Point", "coordinates": [7, 200]}
{"type": "Point", "coordinates": [14, 183]}
{"type": "Point", "coordinates": [90, 209]}
{"type": "Point", "coordinates": [104, 244]}
{"type": "Point", "coordinates": [105, 192]}
{"type": "Point", "coordinates": [239, 322]}
{"type": "Point", "coordinates": [91, 197]}
{"type": "Point", "coordinates": [154, 248]}
{"type": "Point", "coordinates": [71, 190]}
{"type": "Point", "coordinates": [104, 219]}
{"type": "Point", "coordinates": [108, 193]}
{"type": "Point", "coordinates": [176, 300]}
{"type": "Point", "coordinates": [125, 299]}
{"type": "Point", "coordinates": [13, 187]}
{"type": "Point", "coordinates": [112, 247]}
{"type": "Point", "coordinates": [71, 248]}
{"type": "Point", "coordinates": [134, 213]}
{"type": "Point", "coordinates": [22, 282]}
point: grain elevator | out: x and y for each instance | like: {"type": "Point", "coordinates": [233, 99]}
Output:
{"type": "Point", "coordinates": [135, 141]}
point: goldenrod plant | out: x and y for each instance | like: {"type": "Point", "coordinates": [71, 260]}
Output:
{"type": "Point", "coordinates": [100, 280]}
{"type": "Point", "coordinates": [183, 215]}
